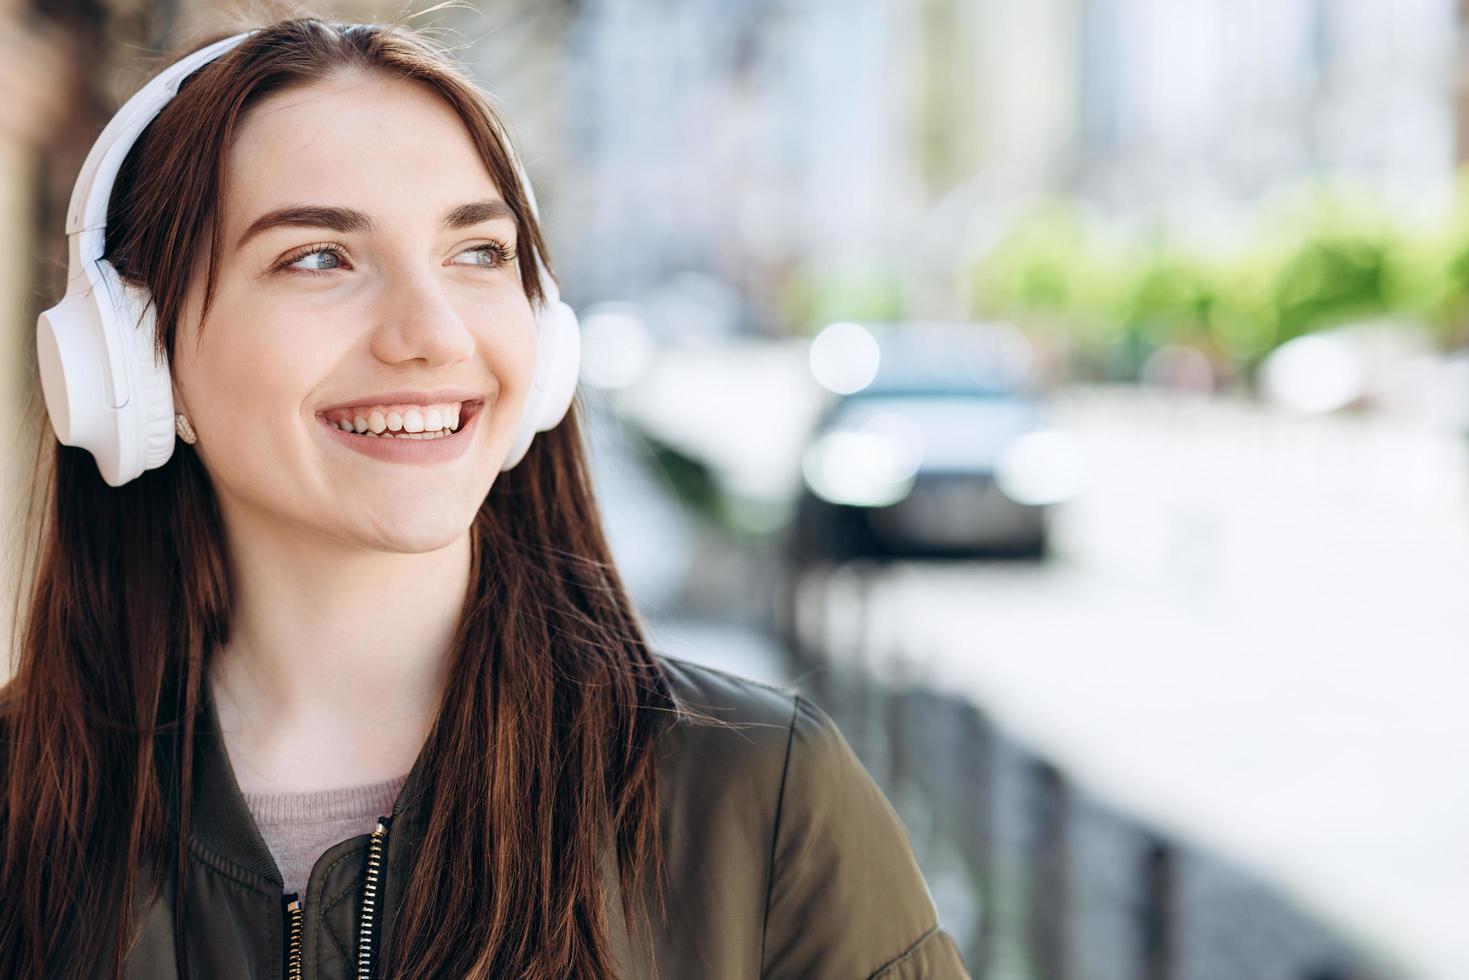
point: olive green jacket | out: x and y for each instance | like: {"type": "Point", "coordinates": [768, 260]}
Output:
{"type": "Point", "coordinates": [784, 861]}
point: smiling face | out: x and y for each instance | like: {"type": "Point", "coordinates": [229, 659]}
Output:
{"type": "Point", "coordinates": [394, 274]}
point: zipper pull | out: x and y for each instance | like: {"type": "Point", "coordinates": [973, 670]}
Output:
{"type": "Point", "coordinates": [295, 912]}
{"type": "Point", "coordinates": [371, 890]}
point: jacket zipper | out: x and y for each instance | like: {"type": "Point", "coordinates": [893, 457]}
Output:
{"type": "Point", "coordinates": [295, 915]}
{"type": "Point", "coordinates": [370, 892]}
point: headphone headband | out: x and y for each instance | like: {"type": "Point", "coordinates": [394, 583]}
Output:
{"type": "Point", "coordinates": [88, 209]}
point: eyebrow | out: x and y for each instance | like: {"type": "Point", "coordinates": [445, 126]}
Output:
{"type": "Point", "coordinates": [345, 220]}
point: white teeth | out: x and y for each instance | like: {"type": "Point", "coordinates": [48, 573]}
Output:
{"type": "Point", "coordinates": [426, 422]}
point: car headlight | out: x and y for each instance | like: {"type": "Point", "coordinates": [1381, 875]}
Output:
{"type": "Point", "coordinates": [873, 466]}
{"type": "Point", "coordinates": [1038, 468]}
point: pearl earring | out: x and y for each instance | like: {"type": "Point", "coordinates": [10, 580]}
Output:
{"type": "Point", "coordinates": [184, 429]}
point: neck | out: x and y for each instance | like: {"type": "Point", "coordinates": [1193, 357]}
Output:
{"type": "Point", "coordinates": [331, 642]}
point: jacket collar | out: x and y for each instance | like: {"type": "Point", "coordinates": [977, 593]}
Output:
{"type": "Point", "coordinates": [223, 824]}
{"type": "Point", "coordinates": [221, 820]}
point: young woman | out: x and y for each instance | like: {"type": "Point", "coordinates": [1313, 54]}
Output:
{"type": "Point", "coordinates": [343, 681]}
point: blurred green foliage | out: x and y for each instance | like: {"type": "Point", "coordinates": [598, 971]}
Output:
{"type": "Point", "coordinates": [812, 298]}
{"type": "Point", "coordinates": [1319, 258]}
{"type": "Point", "coordinates": [690, 479]}
{"type": "Point", "coordinates": [699, 488]}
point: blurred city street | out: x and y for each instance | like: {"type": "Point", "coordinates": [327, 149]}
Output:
{"type": "Point", "coordinates": [1243, 636]}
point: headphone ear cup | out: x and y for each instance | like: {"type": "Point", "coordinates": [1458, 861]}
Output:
{"type": "Point", "coordinates": [86, 379]}
{"type": "Point", "coordinates": [152, 385]}
{"type": "Point", "coordinates": [563, 365]}
{"type": "Point", "coordinates": [70, 353]}
{"type": "Point", "coordinates": [145, 431]}
{"type": "Point", "coordinates": [558, 365]}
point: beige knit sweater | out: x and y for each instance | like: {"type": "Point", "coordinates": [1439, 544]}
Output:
{"type": "Point", "coordinates": [298, 827]}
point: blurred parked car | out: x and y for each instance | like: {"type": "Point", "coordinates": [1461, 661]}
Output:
{"type": "Point", "coordinates": [943, 449]}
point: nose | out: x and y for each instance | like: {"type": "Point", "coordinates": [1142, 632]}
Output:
{"type": "Point", "coordinates": [418, 321]}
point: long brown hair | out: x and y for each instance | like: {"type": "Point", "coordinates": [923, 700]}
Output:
{"type": "Point", "coordinates": [554, 698]}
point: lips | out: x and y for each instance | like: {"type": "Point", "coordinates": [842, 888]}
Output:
{"type": "Point", "coordinates": [410, 450]}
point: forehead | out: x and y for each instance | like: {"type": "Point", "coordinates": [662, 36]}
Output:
{"type": "Point", "coordinates": [391, 147]}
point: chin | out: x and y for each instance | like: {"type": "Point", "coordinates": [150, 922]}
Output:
{"type": "Point", "coordinates": [434, 532]}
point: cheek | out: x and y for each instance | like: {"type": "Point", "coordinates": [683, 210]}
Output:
{"type": "Point", "coordinates": [525, 351]}
{"type": "Point", "coordinates": [509, 341]}
{"type": "Point", "coordinates": [250, 377]}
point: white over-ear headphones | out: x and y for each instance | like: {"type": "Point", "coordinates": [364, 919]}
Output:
{"type": "Point", "coordinates": [106, 391]}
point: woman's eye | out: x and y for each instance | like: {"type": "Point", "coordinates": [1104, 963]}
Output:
{"type": "Point", "coordinates": [321, 258]}
{"type": "Point", "coordinates": [490, 255]}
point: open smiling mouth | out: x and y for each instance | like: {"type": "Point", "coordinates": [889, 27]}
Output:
{"type": "Point", "coordinates": [419, 423]}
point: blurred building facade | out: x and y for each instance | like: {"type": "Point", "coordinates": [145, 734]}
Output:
{"type": "Point", "coordinates": [747, 140]}
{"type": "Point", "coordinates": [1212, 103]}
